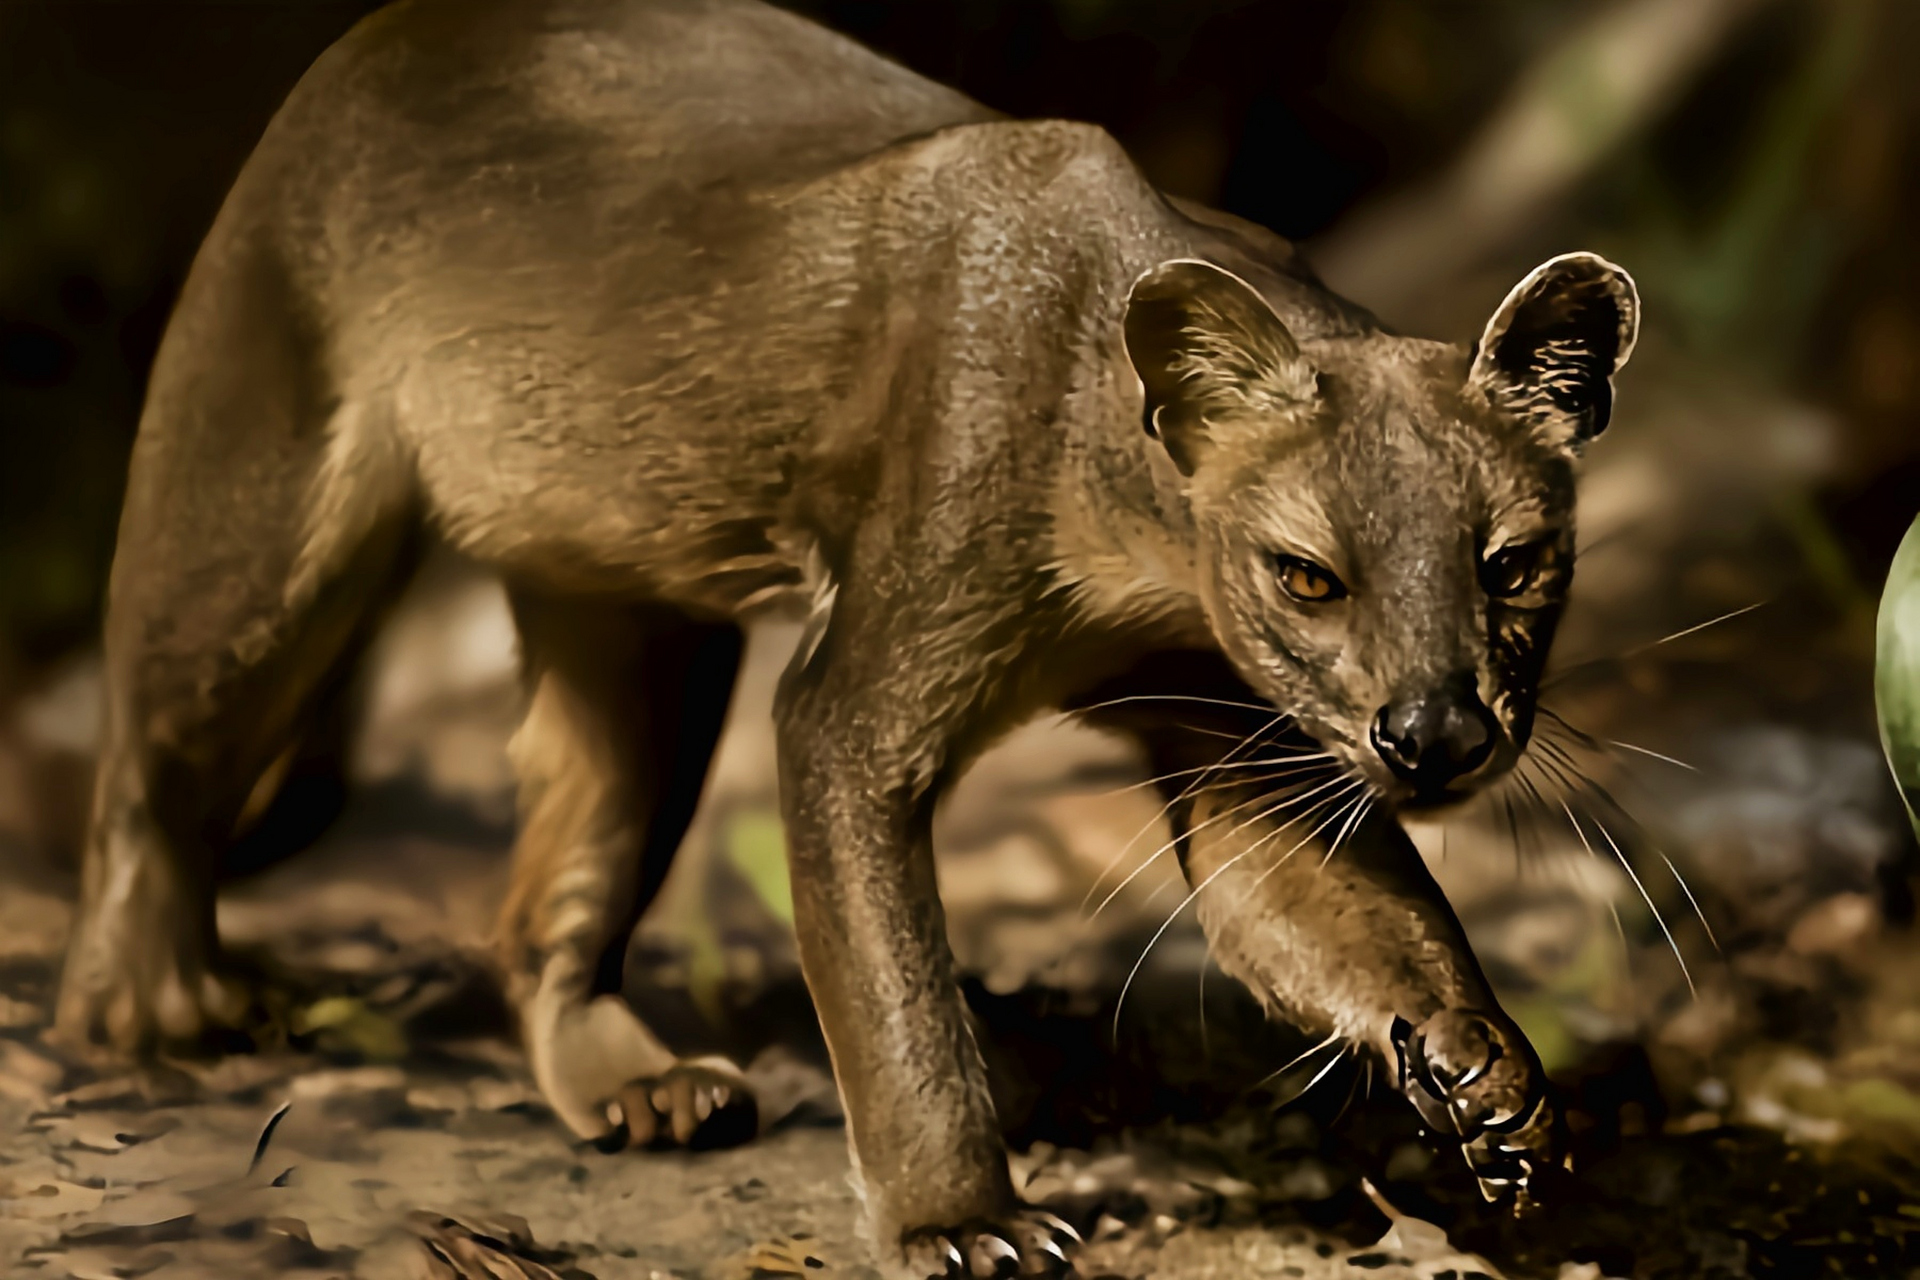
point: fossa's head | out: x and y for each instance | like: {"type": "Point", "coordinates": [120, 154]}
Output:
{"type": "Point", "coordinates": [1386, 524]}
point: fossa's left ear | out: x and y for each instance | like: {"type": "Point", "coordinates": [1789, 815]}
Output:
{"type": "Point", "coordinates": [1210, 354]}
{"type": "Point", "coordinates": [1549, 354]}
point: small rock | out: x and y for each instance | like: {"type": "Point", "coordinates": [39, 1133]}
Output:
{"type": "Point", "coordinates": [1835, 925]}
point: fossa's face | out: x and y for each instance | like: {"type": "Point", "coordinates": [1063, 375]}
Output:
{"type": "Point", "coordinates": [1386, 524]}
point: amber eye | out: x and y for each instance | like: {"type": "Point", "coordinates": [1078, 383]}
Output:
{"type": "Point", "coordinates": [1304, 580]}
{"type": "Point", "coordinates": [1513, 571]}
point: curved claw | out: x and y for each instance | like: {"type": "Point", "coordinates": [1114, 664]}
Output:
{"type": "Point", "coordinates": [1029, 1243]}
{"type": "Point", "coordinates": [1470, 1074]}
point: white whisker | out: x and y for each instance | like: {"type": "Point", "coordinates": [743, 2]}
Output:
{"type": "Point", "coordinates": [1296, 1060]}
{"type": "Point", "coordinates": [1221, 766]}
{"type": "Point", "coordinates": [1684, 632]}
{"type": "Point", "coordinates": [1688, 890]}
{"type": "Point", "coordinates": [1343, 806]}
{"type": "Point", "coordinates": [1265, 708]}
{"type": "Point", "coordinates": [1581, 737]}
{"type": "Point", "coordinates": [1241, 745]}
{"type": "Point", "coordinates": [1588, 784]}
{"type": "Point", "coordinates": [1202, 886]}
{"type": "Point", "coordinates": [1359, 811]}
{"type": "Point", "coordinates": [1648, 899]}
{"type": "Point", "coordinates": [1320, 1075]}
{"type": "Point", "coordinates": [1619, 929]}
{"type": "Point", "coordinates": [1566, 673]}
{"type": "Point", "coordinates": [1155, 856]}
{"type": "Point", "coordinates": [1648, 751]}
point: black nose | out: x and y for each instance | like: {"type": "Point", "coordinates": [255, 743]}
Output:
{"type": "Point", "coordinates": [1436, 737]}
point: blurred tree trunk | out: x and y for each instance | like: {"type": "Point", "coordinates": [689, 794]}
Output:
{"type": "Point", "coordinates": [1567, 113]}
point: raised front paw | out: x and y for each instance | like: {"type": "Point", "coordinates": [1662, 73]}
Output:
{"type": "Point", "coordinates": [701, 1103]}
{"type": "Point", "coordinates": [1028, 1242]}
{"type": "Point", "coordinates": [1471, 1074]}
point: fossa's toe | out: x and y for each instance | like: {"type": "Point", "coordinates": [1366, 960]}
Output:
{"type": "Point", "coordinates": [701, 1104]}
{"type": "Point", "coordinates": [127, 1010]}
{"type": "Point", "coordinates": [1029, 1242]}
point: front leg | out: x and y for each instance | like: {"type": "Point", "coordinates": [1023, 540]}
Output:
{"type": "Point", "coordinates": [1324, 908]}
{"type": "Point", "coordinates": [1315, 899]}
{"type": "Point", "coordinates": [867, 720]}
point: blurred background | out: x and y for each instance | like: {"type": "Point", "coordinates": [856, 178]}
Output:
{"type": "Point", "coordinates": [1755, 164]}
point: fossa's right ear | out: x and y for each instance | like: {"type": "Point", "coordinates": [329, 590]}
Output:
{"type": "Point", "coordinates": [1549, 354]}
{"type": "Point", "coordinates": [1209, 350]}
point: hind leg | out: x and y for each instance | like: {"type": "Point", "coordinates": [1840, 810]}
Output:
{"type": "Point", "coordinates": [627, 705]}
{"type": "Point", "coordinates": [143, 967]}
{"type": "Point", "coordinates": [248, 568]}
{"type": "Point", "coordinates": [265, 515]}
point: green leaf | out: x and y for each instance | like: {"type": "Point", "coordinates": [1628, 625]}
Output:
{"type": "Point", "coordinates": [757, 844]}
{"type": "Point", "coordinates": [1896, 672]}
{"type": "Point", "coordinates": [347, 1025]}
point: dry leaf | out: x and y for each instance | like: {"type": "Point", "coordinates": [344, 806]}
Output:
{"type": "Point", "coordinates": [148, 1086]}
{"type": "Point", "coordinates": [53, 1199]}
{"type": "Point", "coordinates": [1421, 1240]}
{"type": "Point", "coordinates": [781, 1257]}
{"type": "Point", "coordinates": [497, 1247]}
{"type": "Point", "coordinates": [89, 1263]}
{"type": "Point", "coordinates": [103, 1131]}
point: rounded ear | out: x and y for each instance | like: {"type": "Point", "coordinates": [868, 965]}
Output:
{"type": "Point", "coordinates": [1549, 354]}
{"type": "Point", "coordinates": [1209, 351]}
